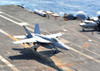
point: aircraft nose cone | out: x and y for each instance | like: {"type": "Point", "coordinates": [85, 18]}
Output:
{"type": "Point", "coordinates": [65, 47]}
{"type": "Point", "coordinates": [62, 46]}
{"type": "Point", "coordinates": [81, 24]}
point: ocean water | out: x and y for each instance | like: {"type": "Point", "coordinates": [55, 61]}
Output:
{"type": "Point", "coordinates": [90, 7]}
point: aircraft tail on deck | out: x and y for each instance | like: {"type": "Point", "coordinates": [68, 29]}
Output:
{"type": "Point", "coordinates": [37, 29]}
{"type": "Point", "coordinates": [28, 33]}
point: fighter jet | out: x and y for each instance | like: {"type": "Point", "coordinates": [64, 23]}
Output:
{"type": "Point", "coordinates": [38, 39]}
{"type": "Point", "coordinates": [87, 24]}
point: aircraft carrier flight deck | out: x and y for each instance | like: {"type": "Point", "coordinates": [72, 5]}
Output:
{"type": "Point", "coordinates": [84, 53]}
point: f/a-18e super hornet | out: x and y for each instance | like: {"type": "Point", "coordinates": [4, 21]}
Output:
{"type": "Point", "coordinates": [38, 39]}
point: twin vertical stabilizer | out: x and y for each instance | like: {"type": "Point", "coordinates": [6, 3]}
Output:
{"type": "Point", "coordinates": [29, 35]}
{"type": "Point", "coordinates": [36, 31]}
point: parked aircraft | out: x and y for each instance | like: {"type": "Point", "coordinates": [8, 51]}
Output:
{"type": "Point", "coordinates": [92, 23]}
{"type": "Point", "coordinates": [38, 39]}
{"type": "Point", "coordinates": [88, 25]}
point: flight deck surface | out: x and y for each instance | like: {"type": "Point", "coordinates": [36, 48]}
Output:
{"type": "Point", "coordinates": [84, 53]}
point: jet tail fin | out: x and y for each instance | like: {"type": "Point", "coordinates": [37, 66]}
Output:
{"type": "Point", "coordinates": [28, 33]}
{"type": "Point", "coordinates": [37, 29]}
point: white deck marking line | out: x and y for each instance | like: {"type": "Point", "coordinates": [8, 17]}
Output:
{"type": "Point", "coordinates": [0, 12]}
{"type": "Point", "coordinates": [21, 24]}
{"type": "Point", "coordinates": [30, 29]}
{"type": "Point", "coordinates": [4, 32]}
{"type": "Point", "coordinates": [75, 50]}
{"type": "Point", "coordinates": [92, 52]}
{"type": "Point", "coordinates": [10, 16]}
{"type": "Point", "coordinates": [8, 63]}
{"type": "Point", "coordinates": [90, 57]}
{"type": "Point", "coordinates": [4, 60]}
{"type": "Point", "coordinates": [86, 49]}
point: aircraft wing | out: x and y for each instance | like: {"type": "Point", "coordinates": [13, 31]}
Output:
{"type": "Point", "coordinates": [25, 41]}
{"type": "Point", "coordinates": [32, 40]}
{"type": "Point", "coordinates": [53, 35]}
{"type": "Point", "coordinates": [20, 36]}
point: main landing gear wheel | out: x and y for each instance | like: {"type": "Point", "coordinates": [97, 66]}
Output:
{"type": "Point", "coordinates": [55, 51]}
{"type": "Point", "coordinates": [34, 43]}
{"type": "Point", "coordinates": [83, 30]}
{"type": "Point", "coordinates": [35, 49]}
